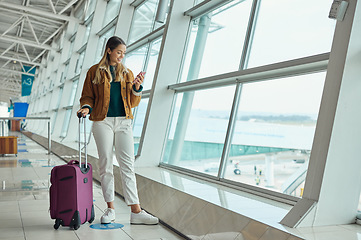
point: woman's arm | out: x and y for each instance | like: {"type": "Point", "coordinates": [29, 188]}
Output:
{"type": "Point", "coordinates": [87, 97]}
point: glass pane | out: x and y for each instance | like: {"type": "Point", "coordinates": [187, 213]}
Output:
{"type": "Point", "coordinates": [112, 11]}
{"type": "Point", "coordinates": [60, 94]}
{"type": "Point", "coordinates": [79, 63]}
{"type": "Point", "coordinates": [294, 29]}
{"type": "Point", "coordinates": [71, 48]}
{"type": "Point", "coordinates": [90, 9]}
{"type": "Point", "coordinates": [139, 116]}
{"type": "Point", "coordinates": [53, 119]}
{"type": "Point", "coordinates": [65, 73]}
{"type": "Point", "coordinates": [88, 127]}
{"type": "Point", "coordinates": [143, 20]}
{"type": "Point", "coordinates": [64, 130]}
{"type": "Point", "coordinates": [87, 32]}
{"type": "Point", "coordinates": [274, 132]}
{"type": "Point", "coordinates": [73, 92]}
{"type": "Point", "coordinates": [102, 42]}
{"type": "Point", "coordinates": [135, 60]}
{"type": "Point", "coordinates": [216, 41]}
{"type": "Point", "coordinates": [198, 129]}
{"type": "Point", "coordinates": [151, 65]}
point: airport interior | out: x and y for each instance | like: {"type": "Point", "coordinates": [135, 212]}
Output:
{"type": "Point", "coordinates": [234, 138]}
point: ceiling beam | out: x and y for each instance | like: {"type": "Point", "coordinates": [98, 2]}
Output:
{"type": "Point", "coordinates": [43, 20]}
{"type": "Point", "coordinates": [15, 71]}
{"type": "Point", "coordinates": [52, 6]}
{"type": "Point", "coordinates": [11, 84]}
{"type": "Point", "coordinates": [27, 43]}
{"type": "Point", "coordinates": [32, 30]}
{"type": "Point", "coordinates": [11, 90]}
{"type": "Point", "coordinates": [68, 6]}
{"type": "Point", "coordinates": [18, 55]}
{"type": "Point", "coordinates": [13, 80]}
{"type": "Point", "coordinates": [54, 33]}
{"type": "Point", "coordinates": [12, 45]}
{"type": "Point", "coordinates": [38, 11]}
{"type": "Point", "coordinates": [21, 60]}
{"type": "Point", "coordinates": [13, 25]}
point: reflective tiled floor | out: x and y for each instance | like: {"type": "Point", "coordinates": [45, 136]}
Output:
{"type": "Point", "coordinates": [24, 202]}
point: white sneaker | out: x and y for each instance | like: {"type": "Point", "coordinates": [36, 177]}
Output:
{"type": "Point", "coordinates": [108, 216]}
{"type": "Point", "coordinates": [143, 218]}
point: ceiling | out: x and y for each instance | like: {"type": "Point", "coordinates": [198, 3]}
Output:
{"type": "Point", "coordinates": [27, 29]}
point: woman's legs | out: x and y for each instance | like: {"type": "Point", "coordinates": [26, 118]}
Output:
{"type": "Point", "coordinates": [124, 150]}
{"type": "Point", "coordinates": [104, 138]}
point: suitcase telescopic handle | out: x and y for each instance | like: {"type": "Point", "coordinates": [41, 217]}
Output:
{"type": "Point", "coordinates": [82, 120]}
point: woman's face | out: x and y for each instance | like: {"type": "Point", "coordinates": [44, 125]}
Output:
{"type": "Point", "coordinates": [117, 55]}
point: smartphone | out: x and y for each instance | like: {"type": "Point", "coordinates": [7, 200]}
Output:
{"type": "Point", "coordinates": [141, 73]}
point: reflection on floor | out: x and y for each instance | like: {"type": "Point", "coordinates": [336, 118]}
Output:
{"type": "Point", "coordinates": [24, 202]}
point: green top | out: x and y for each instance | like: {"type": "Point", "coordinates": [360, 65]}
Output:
{"type": "Point", "coordinates": [116, 105]}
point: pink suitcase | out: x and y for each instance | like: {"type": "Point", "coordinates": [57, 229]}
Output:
{"type": "Point", "coordinates": [71, 192]}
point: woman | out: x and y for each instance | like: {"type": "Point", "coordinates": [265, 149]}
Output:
{"type": "Point", "coordinates": [109, 93]}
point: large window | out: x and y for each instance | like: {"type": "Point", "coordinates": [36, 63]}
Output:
{"type": "Point", "coordinates": [198, 129]}
{"type": "Point", "coordinates": [143, 20]}
{"type": "Point", "coordinates": [217, 39]}
{"type": "Point", "coordinates": [64, 74]}
{"type": "Point", "coordinates": [79, 62]}
{"type": "Point", "coordinates": [151, 63]}
{"type": "Point", "coordinates": [73, 92]}
{"type": "Point", "coordinates": [144, 59]}
{"type": "Point", "coordinates": [87, 32]}
{"type": "Point", "coordinates": [90, 9]}
{"type": "Point", "coordinates": [139, 116]}
{"type": "Point", "coordinates": [112, 11]}
{"type": "Point", "coordinates": [274, 132]}
{"type": "Point", "coordinates": [66, 121]}
{"type": "Point", "coordinates": [71, 47]}
{"type": "Point", "coordinates": [102, 43]}
{"type": "Point", "coordinates": [244, 127]}
{"type": "Point", "coordinates": [135, 60]}
{"type": "Point", "coordinates": [291, 29]}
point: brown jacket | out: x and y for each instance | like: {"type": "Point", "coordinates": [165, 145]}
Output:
{"type": "Point", "coordinates": [97, 96]}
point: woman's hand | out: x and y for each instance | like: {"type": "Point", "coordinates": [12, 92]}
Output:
{"type": "Point", "coordinates": [138, 80]}
{"type": "Point", "coordinates": [83, 111]}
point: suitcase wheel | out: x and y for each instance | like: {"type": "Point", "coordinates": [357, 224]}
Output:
{"type": "Point", "coordinates": [76, 226]}
{"type": "Point", "coordinates": [57, 223]}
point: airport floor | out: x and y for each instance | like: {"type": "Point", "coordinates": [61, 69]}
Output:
{"type": "Point", "coordinates": [24, 202]}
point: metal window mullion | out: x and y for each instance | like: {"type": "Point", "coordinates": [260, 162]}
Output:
{"type": "Point", "coordinates": [230, 131]}
{"type": "Point", "coordinates": [205, 7]}
{"type": "Point", "coordinates": [249, 34]}
{"type": "Point", "coordinates": [144, 95]}
{"type": "Point", "coordinates": [147, 56]}
{"type": "Point", "coordinates": [146, 39]}
{"type": "Point", "coordinates": [107, 27]}
{"type": "Point", "coordinates": [294, 67]}
{"type": "Point", "coordinates": [137, 3]}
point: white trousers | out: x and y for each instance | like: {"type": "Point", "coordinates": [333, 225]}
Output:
{"type": "Point", "coordinates": [116, 132]}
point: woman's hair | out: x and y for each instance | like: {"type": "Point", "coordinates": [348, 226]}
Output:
{"type": "Point", "coordinates": [112, 43]}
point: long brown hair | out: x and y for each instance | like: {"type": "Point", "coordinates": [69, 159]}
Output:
{"type": "Point", "coordinates": [112, 43]}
